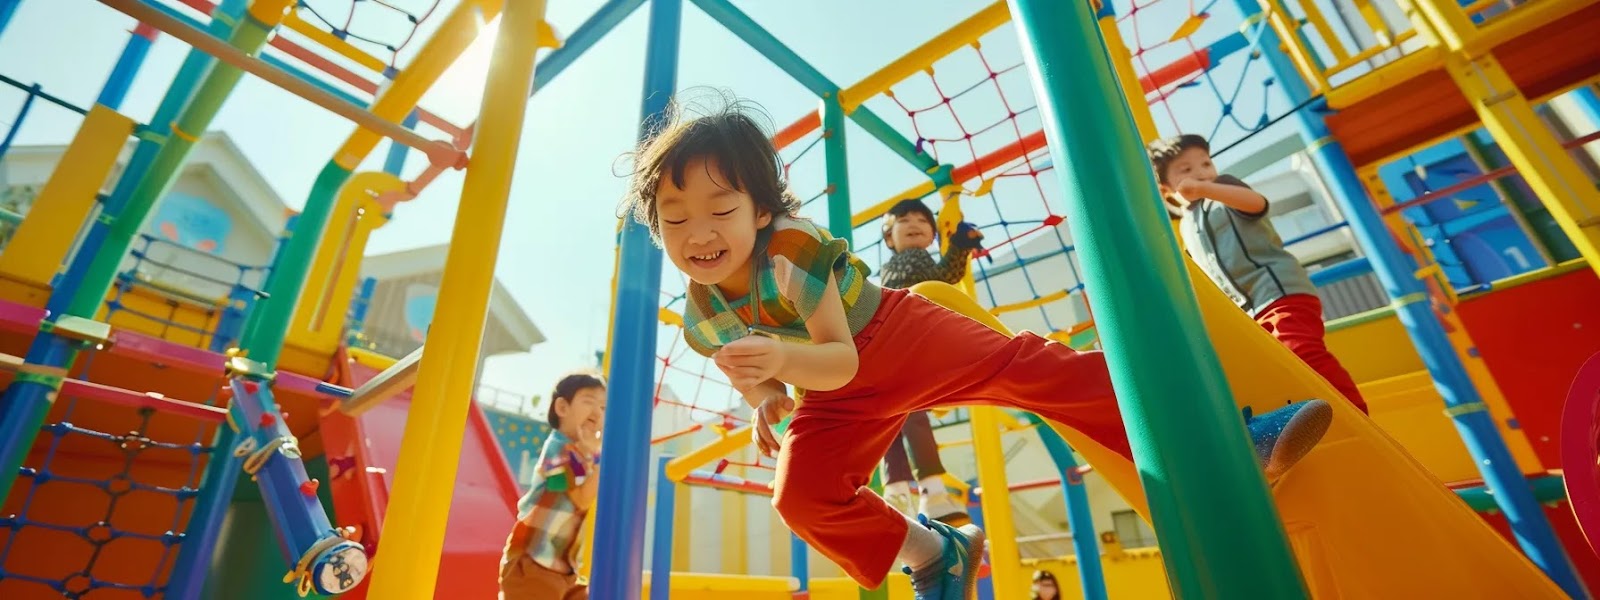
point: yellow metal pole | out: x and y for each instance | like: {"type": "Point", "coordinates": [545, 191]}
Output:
{"type": "Point", "coordinates": [407, 562]}
{"type": "Point", "coordinates": [678, 468]}
{"type": "Point", "coordinates": [1508, 115]}
{"type": "Point", "coordinates": [328, 40]}
{"type": "Point", "coordinates": [1122, 63]}
{"type": "Point", "coordinates": [1005, 557]}
{"type": "Point", "coordinates": [922, 57]}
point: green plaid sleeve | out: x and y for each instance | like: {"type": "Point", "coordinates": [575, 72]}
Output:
{"type": "Point", "coordinates": [803, 257]}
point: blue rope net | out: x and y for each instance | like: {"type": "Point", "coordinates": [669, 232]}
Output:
{"type": "Point", "coordinates": [102, 502]}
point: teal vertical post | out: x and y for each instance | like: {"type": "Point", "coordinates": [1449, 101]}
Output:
{"type": "Point", "coordinates": [838, 167]}
{"type": "Point", "coordinates": [1219, 530]}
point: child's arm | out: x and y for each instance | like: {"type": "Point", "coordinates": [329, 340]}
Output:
{"type": "Point", "coordinates": [958, 254]}
{"type": "Point", "coordinates": [584, 494]}
{"type": "Point", "coordinates": [1237, 197]}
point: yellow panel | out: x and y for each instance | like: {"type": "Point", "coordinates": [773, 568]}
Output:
{"type": "Point", "coordinates": [319, 315]}
{"type": "Point", "coordinates": [164, 314]}
{"type": "Point", "coordinates": [1373, 346]}
{"type": "Point", "coordinates": [1136, 574]}
{"type": "Point", "coordinates": [41, 243]}
{"type": "Point", "coordinates": [709, 586]}
{"type": "Point", "coordinates": [1407, 407]}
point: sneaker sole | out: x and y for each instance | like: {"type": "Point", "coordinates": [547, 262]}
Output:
{"type": "Point", "coordinates": [976, 538]}
{"type": "Point", "coordinates": [1299, 436]}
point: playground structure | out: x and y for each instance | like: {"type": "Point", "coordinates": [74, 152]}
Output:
{"type": "Point", "coordinates": [267, 386]}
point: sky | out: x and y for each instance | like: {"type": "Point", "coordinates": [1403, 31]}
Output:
{"type": "Point", "coordinates": [556, 252]}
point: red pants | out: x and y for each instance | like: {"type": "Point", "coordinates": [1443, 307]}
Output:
{"type": "Point", "coordinates": [1296, 320]}
{"type": "Point", "coordinates": [916, 355]}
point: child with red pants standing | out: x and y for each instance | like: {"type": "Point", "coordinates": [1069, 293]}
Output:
{"type": "Point", "coordinates": [776, 301]}
{"type": "Point", "coordinates": [1224, 227]}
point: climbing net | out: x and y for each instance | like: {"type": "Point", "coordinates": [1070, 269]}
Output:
{"type": "Point", "coordinates": [103, 500]}
{"type": "Point", "coordinates": [384, 29]}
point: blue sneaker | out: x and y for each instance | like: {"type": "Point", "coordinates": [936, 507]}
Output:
{"type": "Point", "coordinates": [1286, 435]}
{"type": "Point", "coordinates": [955, 575]}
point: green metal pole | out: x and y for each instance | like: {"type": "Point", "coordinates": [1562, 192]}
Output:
{"type": "Point", "coordinates": [838, 171]}
{"type": "Point", "coordinates": [268, 323]}
{"type": "Point", "coordinates": [838, 174]}
{"type": "Point", "coordinates": [1220, 532]}
{"type": "Point", "coordinates": [191, 124]}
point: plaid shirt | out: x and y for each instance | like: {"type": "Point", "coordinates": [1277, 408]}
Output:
{"type": "Point", "coordinates": [789, 278]}
{"type": "Point", "coordinates": [548, 521]}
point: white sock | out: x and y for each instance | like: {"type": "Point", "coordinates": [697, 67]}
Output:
{"type": "Point", "coordinates": [932, 486]}
{"type": "Point", "coordinates": [923, 546]}
{"type": "Point", "coordinates": [902, 488]}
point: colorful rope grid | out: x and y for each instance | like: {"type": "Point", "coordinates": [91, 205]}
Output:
{"type": "Point", "coordinates": [108, 490]}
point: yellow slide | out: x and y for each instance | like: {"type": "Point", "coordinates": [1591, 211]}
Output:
{"type": "Point", "coordinates": [1364, 518]}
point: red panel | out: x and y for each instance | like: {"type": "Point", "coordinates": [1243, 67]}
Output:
{"type": "Point", "coordinates": [1534, 337]}
{"type": "Point", "coordinates": [481, 513]}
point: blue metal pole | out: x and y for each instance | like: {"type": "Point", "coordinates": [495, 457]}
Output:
{"type": "Point", "coordinates": [800, 564]}
{"type": "Point", "coordinates": [661, 544]}
{"type": "Point", "coordinates": [8, 8]}
{"type": "Point", "coordinates": [620, 508]}
{"type": "Point", "coordinates": [128, 65]}
{"type": "Point", "coordinates": [396, 162]}
{"type": "Point", "coordinates": [16, 124]}
{"type": "Point", "coordinates": [1589, 103]}
{"type": "Point", "coordinates": [200, 540]}
{"type": "Point", "coordinates": [194, 67]}
{"type": "Point", "coordinates": [1084, 541]}
{"type": "Point", "coordinates": [1411, 304]}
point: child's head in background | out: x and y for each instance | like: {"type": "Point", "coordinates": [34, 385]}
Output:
{"type": "Point", "coordinates": [909, 224]}
{"type": "Point", "coordinates": [578, 406]}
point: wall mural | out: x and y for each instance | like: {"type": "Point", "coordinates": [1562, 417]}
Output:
{"type": "Point", "coordinates": [192, 222]}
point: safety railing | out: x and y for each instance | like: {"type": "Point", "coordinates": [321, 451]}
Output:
{"type": "Point", "coordinates": [189, 295]}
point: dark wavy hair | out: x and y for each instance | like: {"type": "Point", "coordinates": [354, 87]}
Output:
{"type": "Point", "coordinates": [725, 131]}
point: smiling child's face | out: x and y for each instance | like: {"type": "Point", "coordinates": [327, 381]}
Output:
{"type": "Point", "coordinates": [708, 228]}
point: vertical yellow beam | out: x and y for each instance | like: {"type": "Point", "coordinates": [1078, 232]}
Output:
{"type": "Point", "coordinates": [1547, 167]}
{"type": "Point", "coordinates": [682, 532]}
{"type": "Point", "coordinates": [1122, 63]}
{"type": "Point", "coordinates": [407, 562]}
{"type": "Point", "coordinates": [319, 317]}
{"type": "Point", "coordinates": [1005, 556]}
{"type": "Point", "coordinates": [41, 243]}
{"type": "Point", "coordinates": [1461, 342]}
{"type": "Point", "coordinates": [735, 526]}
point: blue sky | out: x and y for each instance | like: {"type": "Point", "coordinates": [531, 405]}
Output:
{"type": "Point", "coordinates": [556, 254]}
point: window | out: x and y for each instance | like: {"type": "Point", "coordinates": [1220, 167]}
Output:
{"type": "Point", "coordinates": [1132, 530]}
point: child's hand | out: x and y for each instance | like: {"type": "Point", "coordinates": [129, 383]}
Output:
{"type": "Point", "coordinates": [588, 439]}
{"type": "Point", "coordinates": [967, 236]}
{"type": "Point", "coordinates": [769, 413]}
{"type": "Point", "coordinates": [750, 361]}
{"type": "Point", "coordinates": [1192, 189]}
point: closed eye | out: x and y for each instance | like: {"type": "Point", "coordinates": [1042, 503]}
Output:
{"type": "Point", "coordinates": [726, 212]}
{"type": "Point", "coordinates": [672, 222]}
